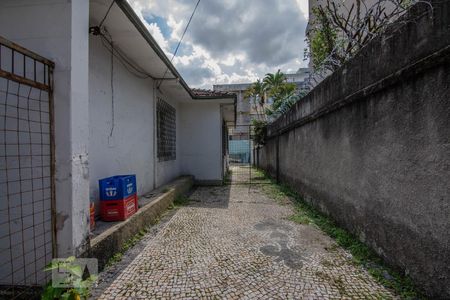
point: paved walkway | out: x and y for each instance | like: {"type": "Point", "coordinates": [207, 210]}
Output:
{"type": "Point", "coordinates": [233, 242]}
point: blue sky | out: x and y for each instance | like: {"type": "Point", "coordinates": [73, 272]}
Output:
{"type": "Point", "coordinates": [166, 31]}
{"type": "Point", "coordinates": [160, 21]}
{"type": "Point", "coordinates": [229, 41]}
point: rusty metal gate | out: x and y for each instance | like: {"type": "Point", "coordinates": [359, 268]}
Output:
{"type": "Point", "coordinates": [27, 240]}
{"type": "Point", "coordinates": [239, 154]}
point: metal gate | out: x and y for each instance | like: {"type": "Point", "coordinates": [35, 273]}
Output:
{"type": "Point", "coordinates": [26, 167]}
{"type": "Point", "coordinates": [240, 157]}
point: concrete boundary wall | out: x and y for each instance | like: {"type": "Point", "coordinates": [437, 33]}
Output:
{"type": "Point", "coordinates": [370, 146]}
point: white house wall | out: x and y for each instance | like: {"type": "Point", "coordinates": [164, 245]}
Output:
{"type": "Point", "coordinates": [58, 30]}
{"type": "Point", "coordinates": [201, 141]}
{"type": "Point", "coordinates": [130, 149]}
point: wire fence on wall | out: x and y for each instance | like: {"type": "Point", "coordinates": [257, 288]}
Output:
{"type": "Point", "coordinates": [26, 169]}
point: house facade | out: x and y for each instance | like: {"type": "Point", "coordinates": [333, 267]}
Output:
{"type": "Point", "coordinates": [116, 105]}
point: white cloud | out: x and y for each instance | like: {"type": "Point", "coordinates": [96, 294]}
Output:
{"type": "Point", "coordinates": [155, 31]}
{"type": "Point", "coordinates": [303, 5]}
{"type": "Point", "coordinates": [230, 41]}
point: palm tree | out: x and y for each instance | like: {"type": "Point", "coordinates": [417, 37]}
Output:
{"type": "Point", "coordinates": [273, 82]}
{"type": "Point", "coordinates": [282, 93]}
{"type": "Point", "coordinates": [256, 93]}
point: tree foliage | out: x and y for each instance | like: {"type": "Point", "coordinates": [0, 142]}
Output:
{"type": "Point", "coordinates": [340, 30]}
{"type": "Point", "coordinates": [273, 87]}
{"type": "Point", "coordinates": [257, 96]}
{"type": "Point", "coordinates": [259, 131]}
{"type": "Point", "coordinates": [323, 40]}
{"type": "Point", "coordinates": [274, 83]}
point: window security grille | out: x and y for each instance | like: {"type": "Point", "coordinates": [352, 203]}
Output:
{"type": "Point", "coordinates": [166, 130]}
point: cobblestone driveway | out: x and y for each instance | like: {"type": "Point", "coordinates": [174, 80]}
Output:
{"type": "Point", "coordinates": [233, 242]}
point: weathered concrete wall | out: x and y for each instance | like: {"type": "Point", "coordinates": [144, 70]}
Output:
{"type": "Point", "coordinates": [267, 158]}
{"type": "Point", "coordinates": [370, 146]}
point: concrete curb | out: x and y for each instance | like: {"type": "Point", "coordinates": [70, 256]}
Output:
{"type": "Point", "coordinates": [111, 241]}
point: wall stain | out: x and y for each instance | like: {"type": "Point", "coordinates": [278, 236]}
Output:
{"type": "Point", "coordinates": [60, 220]}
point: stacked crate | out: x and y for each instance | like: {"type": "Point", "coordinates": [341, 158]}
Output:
{"type": "Point", "coordinates": [118, 197]}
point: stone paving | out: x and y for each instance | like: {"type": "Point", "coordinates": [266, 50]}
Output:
{"type": "Point", "coordinates": [233, 242]}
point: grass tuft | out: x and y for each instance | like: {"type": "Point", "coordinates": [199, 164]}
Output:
{"type": "Point", "coordinates": [180, 200]}
{"type": "Point", "coordinates": [362, 255]}
{"type": "Point", "coordinates": [300, 219]}
{"type": "Point", "coordinates": [227, 177]}
{"type": "Point", "coordinates": [117, 257]}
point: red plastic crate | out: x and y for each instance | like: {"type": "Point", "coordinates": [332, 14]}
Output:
{"type": "Point", "coordinates": [92, 216]}
{"type": "Point", "coordinates": [118, 210]}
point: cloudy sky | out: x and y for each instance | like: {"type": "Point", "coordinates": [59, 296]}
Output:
{"type": "Point", "coordinates": [228, 41]}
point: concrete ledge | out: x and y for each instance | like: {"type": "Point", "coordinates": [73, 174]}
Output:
{"type": "Point", "coordinates": [111, 241]}
{"type": "Point", "coordinates": [208, 182]}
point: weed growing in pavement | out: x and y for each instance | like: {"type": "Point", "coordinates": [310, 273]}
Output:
{"type": "Point", "coordinates": [227, 177]}
{"type": "Point", "coordinates": [128, 244]}
{"type": "Point", "coordinates": [180, 200]}
{"type": "Point", "coordinates": [75, 286]}
{"type": "Point", "coordinates": [362, 255]}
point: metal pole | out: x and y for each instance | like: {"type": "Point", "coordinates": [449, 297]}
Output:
{"type": "Point", "coordinates": [250, 156]}
{"type": "Point", "coordinates": [278, 159]}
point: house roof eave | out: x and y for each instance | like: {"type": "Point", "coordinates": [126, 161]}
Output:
{"type": "Point", "coordinates": [136, 21]}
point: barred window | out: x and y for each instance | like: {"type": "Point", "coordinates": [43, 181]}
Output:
{"type": "Point", "coordinates": [166, 130]}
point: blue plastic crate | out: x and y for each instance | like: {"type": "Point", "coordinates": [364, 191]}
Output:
{"type": "Point", "coordinates": [117, 187]}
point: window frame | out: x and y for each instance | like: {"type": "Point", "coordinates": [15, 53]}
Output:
{"type": "Point", "coordinates": [166, 131]}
